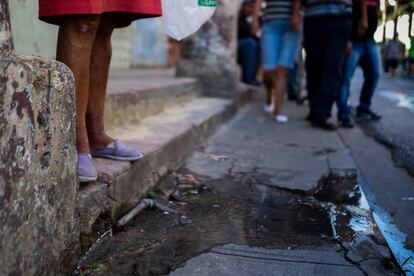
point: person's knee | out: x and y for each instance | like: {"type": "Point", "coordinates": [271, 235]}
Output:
{"type": "Point", "coordinates": [84, 24]}
{"type": "Point", "coordinates": [282, 71]}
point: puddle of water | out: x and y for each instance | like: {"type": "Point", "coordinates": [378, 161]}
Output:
{"type": "Point", "coordinates": [238, 211]}
{"type": "Point", "coordinates": [401, 99]}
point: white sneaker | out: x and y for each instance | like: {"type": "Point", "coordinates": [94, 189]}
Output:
{"type": "Point", "coordinates": [268, 108]}
{"type": "Point", "coordinates": [281, 118]}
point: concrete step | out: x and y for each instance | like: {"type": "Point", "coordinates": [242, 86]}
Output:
{"type": "Point", "coordinates": [136, 94]}
{"type": "Point", "coordinates": [166, 139]}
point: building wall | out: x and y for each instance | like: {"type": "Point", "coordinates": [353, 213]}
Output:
{"type": "Point", "coordinates": [150, 43]}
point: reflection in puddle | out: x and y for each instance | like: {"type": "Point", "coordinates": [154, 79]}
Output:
{"type": "Point", "coordinates": [402, 99]}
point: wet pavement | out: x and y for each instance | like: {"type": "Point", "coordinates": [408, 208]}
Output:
{"type": "Point", "coordinates": [269, 197]}
{"type": "Point", "coordinates": [384, 152]}
{"type": "Point", "coordinates": [394, 99]}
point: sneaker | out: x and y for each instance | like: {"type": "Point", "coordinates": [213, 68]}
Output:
{"type": "Point", "coordinates": [345, 122]}
{"type": "Point", "coordinates": [117, 151]}
{"type": "Point", "coordinates": [324, 124]}
{"type": "Point", "coordinates": [268, 108]}
{"type": "Point", "coordinates": [281, 118]}
{"type": "Point", "coordinates": [86, 168]}
{"type": "Point", "coordinates": [253, 83]}
{"type": "Point", "coordinates": [367, 115]}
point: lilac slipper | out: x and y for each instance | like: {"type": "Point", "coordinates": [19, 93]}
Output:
{"type": "Point", "coordinates": [86, 169]}
{"type": "Point", "coordinates": [117, 151]}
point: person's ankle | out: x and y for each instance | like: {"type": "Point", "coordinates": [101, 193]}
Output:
{"type": "Point", "coordinates": [101, 142]}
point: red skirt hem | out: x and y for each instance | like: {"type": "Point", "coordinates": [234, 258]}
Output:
{"type": "Point", "coordinates": [51, 10]}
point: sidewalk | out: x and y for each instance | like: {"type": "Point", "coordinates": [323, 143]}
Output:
{"type": "Point", "coordinates": [280, 199]}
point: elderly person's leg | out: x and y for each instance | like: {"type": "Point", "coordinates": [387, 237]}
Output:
{"type": "Point", "coordinates": [102, 145]}
{"type": "Point", "coordinates": [75, 42]}
{"type": "Point", "coordinates": [99, 71]}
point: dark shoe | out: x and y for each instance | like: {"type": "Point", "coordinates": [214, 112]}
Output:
{"type": "Point", "coordinates": [253, 83]}
{"type": "Point", "coordinates": [293, 98]}
{"type": "Point", "coordinates": [367, 115]}
{"type": "Point", "coordinates": [324, 125]}
{"type": "Point", "coordinates": [309, 118]}
{"type": "Point", "coordinates": [345, 122]}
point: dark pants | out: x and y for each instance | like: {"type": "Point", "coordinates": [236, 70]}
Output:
{"type": "Point", "coordinates": [325, 40]}
{"type": "Point", "coordinates": [248, 57]}
{"type": "Point", "coordinates": [364, 53]}
{"type": "Point", "coordinates": [293, 82]}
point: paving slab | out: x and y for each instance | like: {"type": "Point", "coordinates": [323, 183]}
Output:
{"type": "Point", "coordinates": [294, 155]}
{"type": "Point", "coordinates": [245, 260]}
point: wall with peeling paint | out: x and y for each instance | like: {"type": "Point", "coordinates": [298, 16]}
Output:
{"type": "Point", "coordinates": [149, 34]}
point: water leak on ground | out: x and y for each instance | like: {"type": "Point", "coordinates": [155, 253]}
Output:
{"type": "Point", "coordinates": [237, 209]}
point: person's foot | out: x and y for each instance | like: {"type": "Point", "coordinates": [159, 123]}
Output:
{"type": "Point", "coordinates": [323, 124]}
{"type": "Point", "coordinates": [86, 168]}
{"type": "Point", "coordinates": [367, 115]}
{"type": "Point", "coordinates": [117, 151]}
{"type": "Point", "coordinates": [301, 101]}
{"type": "Point", "coordinates": [268, 108]}
{"type": "Point", "coordinates": [345, 122]}
{"type": "Point", "coordinates": [309, 118]}
{"type": "Point", "coordinates": [293, 98]}
{"type": "Point", "coordinates": [254, 83]}
{"type": "Point", "coordinates": [281, 118]}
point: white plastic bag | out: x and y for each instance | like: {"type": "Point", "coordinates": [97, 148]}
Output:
{"type": "Point", "coordinates": [184, 17]}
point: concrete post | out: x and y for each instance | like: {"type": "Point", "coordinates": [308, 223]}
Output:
{"type": "Point", "coordinates": [6, 38]}
{"type": "Point", "coordinates": [210, 54]}
{"type": "Point", "coordinates": [38, 183]}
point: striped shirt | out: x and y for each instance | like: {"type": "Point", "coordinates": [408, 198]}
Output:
{"type": "Point", "coordinates": [328, 7]}
{"type": "Point", "coordinates": [277, 9]}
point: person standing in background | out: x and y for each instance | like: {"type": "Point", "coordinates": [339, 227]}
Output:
{"type": "Point", "coordinates": [364, 53]}
{"type": "Point", "coordinates": [393, 53]}
{"type": "Point", "coordinates": [327, 31]}
{"type": "Point", "coordinates": [280, 42]}
{"type": "Point", "coordinates": [248, 49]}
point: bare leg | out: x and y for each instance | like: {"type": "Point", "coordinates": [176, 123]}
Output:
{"type": "Point", "coordinates": [99, 72]}
{"type": "Point", "coordinates": [279, 88]}
{"type": "Point", "coordinates": [268, 82]}
{"type": "Point", "coordinates": [75, 41]}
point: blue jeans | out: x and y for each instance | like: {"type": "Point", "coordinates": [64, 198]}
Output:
{"type": "Point", "coordinates": [325, 43]}
{"type": "Point", "coordinates": [248, 53]}
{"type": "Point", "coordinates": [279, 43]}
{"type": "Point", "coordinates": [365, 54]}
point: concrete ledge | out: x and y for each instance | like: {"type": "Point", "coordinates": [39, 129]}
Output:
{"type": "Point", "coordinates": [166, 140]}
{"type": "Point", "coordinates": [133, 95]}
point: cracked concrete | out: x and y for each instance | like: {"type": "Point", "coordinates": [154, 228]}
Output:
{"type": "Point", "coordinates": [294, 156]}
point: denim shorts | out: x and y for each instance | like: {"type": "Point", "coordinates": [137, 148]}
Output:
{"type": "Point", "coordinates": [279, 44]}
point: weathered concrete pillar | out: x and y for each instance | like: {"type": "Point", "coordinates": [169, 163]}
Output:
{"type": "Point", "coordinates": [38, 184]}
{"type": "Point", "coordinates": [210, 54]}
